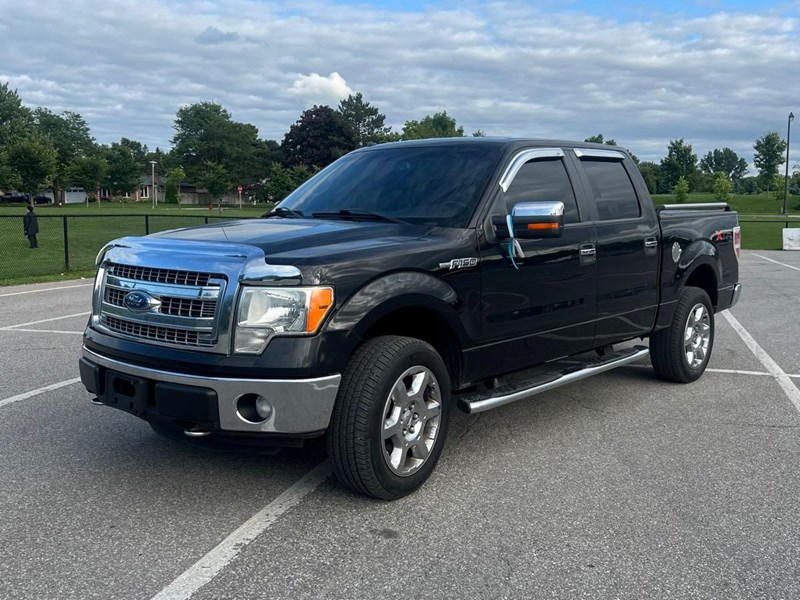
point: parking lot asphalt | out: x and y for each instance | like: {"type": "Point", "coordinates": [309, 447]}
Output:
{"type": "Point", "coordinates": [619, 486]}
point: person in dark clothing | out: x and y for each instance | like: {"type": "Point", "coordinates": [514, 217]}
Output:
{"type": "Point", "coordinates": [31, 226]}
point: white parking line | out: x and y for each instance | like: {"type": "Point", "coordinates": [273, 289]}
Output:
{"type": "Point", "coordinates": [776, 262]}
{"type": "Point", "coordinates": [204, 570]}
{"type": "Point", "coordinates": [41, 390]}
{"type": "Point", "coordinates": [62, 287]}
{"type": "Point", "coordinates": [41, 331]}
{"type": "Point", "coordinates": [739, 372]}
{"type": "Point", "coordinates": [80, 314]}
{"type": "Point", "coordinates": [765, 359]}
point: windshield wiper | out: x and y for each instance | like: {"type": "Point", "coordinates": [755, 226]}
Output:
{"type": "Point", "coordinates": [284, 213]}
{"type": "Point", "coordinates": [357, 212]}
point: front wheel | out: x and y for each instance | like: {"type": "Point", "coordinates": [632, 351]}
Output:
{"type": "Point", "coordinates": [681, 351]}
{"type": "Point", "coordinates": [390, 420]}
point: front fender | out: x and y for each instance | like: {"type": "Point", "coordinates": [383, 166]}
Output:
{"type": "Point", "coordinates": [391, 292]}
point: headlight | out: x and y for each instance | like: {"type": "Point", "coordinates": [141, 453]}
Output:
{"type": "Point", "coordinates": [267, 311]}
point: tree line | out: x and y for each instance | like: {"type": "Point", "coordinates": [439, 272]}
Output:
{"type": "Point", "coordinates": [40, 149]}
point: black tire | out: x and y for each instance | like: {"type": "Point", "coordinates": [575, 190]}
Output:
{"type": "Point", "coordinates": [356, 444]}
{"type": "Point", "coordinates": [667, 351]}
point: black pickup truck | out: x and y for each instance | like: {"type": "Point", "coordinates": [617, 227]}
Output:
{"type": "Point", "coordinates": [399, 282]}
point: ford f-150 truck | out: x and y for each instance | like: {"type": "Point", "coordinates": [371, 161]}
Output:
{"type": "Point", "coordinates": [401, 281]}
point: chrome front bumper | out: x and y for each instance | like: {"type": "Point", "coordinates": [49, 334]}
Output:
{"type": "Point", "coordinates": [299, 405]}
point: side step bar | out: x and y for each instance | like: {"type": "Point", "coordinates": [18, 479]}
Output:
{"type": "Point", "coordinates": [505, 394]}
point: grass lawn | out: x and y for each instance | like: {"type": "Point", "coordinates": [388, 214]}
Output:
{"type": "Point", "coordinates": [88, 229]}
{"type": "Point", "coordinates": [759, 216]}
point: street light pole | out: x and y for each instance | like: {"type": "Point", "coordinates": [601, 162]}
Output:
{"type": "Point", "coordinates": [153, 181]}
{"type": "Point", "coordinates": [786, 179]}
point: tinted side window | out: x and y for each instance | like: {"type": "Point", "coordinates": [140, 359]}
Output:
{"type": "Point", "coordinates": [543, 179]}
{"type": "Point", "coordinates": [612, 189]}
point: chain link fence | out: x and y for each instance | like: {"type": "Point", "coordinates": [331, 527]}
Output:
{"type": "Point", "coordinates": [70, 243]}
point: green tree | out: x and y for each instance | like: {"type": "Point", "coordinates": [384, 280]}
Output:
{"type": "Point", "coordinates": [89, 172]}
{"type": "Point", "coordinates": [478, 133]}
{"type": "Point", "coordinates": [124, 171]}
{"type": "Point", "coordinates": [438, 125]}
{"type": "Point", "coordinates": [768, 156]}
{"type": "Point", "coordinates": [205, 132]}
{"type": "Point", "coordinates": [174, 177]}
{"type": "Point", "coordinates": [649, 171]}
{"type": "Point", "coordinates": [16, 119]}
{"type": "Point", "coordinates": [318, 138]}
{"type": "Point", "coordinates": [722, 187]}
{"type": "Point", "coordinates": [598, 139]}
{"type": "Point", "coordinates": [215, 180]}
{"type": "Point", "coordinates": [681, 190]}
{"type": "Point", "coordinates": [778, 183]}
{"type": "Point", "coordinates": [299, 174]}
{"type": "Point", "coordinates": [748, 185]}
{"type": "Point", "coordinates": [279, 183]}
{"type": "Point", "coordinates": [8, 177]}
{"type": "Point", "coordinates": [33, 160]}
{"type": "Point", "coordinates": [141, 155]}
{"type": "Point", "coordinates": [69, 134]}
{"type": "Point", "coordinates": [365, 121]}
{"type": "Point", "coordinates": [724, 161]}
{"type": "Point", "coordinates": [679, 162]}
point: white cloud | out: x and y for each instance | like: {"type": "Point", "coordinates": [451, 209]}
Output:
{"type": "Point", "coordinates": [315, 87]}
{"type": "Point", "coordinates": [507, 67]}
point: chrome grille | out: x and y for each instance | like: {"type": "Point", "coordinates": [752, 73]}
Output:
{"type": "Point", "coordinates": [182, 311]}
{"type": "Point", "coordinates": [182, 307]}
{"type": "Point", "coordinates": [169, 335]}
{"type": "Point", "coordinates": [174, 276]}
{"type": "Point", "coordinates": [188, 307]}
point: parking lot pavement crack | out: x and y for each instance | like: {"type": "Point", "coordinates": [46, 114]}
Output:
{"type": "Point", "coordinates": [468, 428]}
{"type": "Point", "coordinates": [582, 403]}
{"type": "Point", "coordinates": [737, 424]}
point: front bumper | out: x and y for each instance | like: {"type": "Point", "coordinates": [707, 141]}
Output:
{"type": "Point", "coordinates": [299, 406]}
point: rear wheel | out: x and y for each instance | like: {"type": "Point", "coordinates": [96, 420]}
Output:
{"type": "Point", "coordinates": [390, 420]}
{"type": "Point", "coordinates": [681, 352]}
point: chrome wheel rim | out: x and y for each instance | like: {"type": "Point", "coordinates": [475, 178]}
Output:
{"type": "Point", "coordinates": [697, 335]}
{"type": "Point", "coordinates": [411, 418]}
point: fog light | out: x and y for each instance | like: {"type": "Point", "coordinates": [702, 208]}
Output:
{"type": "Point", "coordinates": [254, 408]}
{"type": "Point", "coordinates": [263, 408]}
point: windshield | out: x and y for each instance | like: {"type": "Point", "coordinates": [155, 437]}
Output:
{"type": "Point", "coordinates": [438, 185]}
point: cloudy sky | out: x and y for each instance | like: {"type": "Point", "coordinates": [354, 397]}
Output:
{"type": "Point", "coordinates": [717, 73]}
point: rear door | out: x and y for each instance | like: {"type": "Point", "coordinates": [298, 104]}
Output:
{"type": "Point", "coordinates": [627, 247]}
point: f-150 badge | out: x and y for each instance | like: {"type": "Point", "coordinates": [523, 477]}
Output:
{"type": "Point", "coordinates": [459, 263]}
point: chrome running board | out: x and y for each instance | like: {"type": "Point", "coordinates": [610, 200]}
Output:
{"type": "Point", "coordinates": [506, 393]}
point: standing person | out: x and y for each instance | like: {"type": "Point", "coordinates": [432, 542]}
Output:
{"type": "Point", "coordinates": [31, 226]}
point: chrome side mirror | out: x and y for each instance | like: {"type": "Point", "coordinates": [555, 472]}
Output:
{"type": "Point", "coordinates": [542, 219]}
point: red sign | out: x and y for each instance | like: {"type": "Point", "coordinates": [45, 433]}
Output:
{"type": "Point", "coordinates": [240, 189]}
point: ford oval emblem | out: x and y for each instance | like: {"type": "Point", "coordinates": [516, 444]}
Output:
{"type": "Point", "coordinates": [138, 301]}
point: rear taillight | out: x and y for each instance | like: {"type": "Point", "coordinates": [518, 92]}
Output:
{"type": "Point", "coordinates": [737, 240]}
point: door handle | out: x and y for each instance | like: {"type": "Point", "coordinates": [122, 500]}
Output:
{"type": "Point", "coordinates": [650, 242]}
{"type": "Point", "coordinates": [587, 254]}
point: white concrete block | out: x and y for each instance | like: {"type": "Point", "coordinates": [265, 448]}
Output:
{"type": "Point", "coordinates": [791, 239]}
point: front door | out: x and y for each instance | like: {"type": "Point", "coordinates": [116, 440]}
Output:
{"type": "Point", "coordinates": [541, 306]}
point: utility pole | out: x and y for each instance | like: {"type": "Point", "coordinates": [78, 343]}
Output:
{"type": "Point", "coordinates": [786, 179]}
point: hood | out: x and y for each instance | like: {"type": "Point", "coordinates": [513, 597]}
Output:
{"type": "Point", "coordinates": [304, 238]}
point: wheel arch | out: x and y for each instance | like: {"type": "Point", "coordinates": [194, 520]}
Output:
{"type": "Point", "coordinates": [411, 304]}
